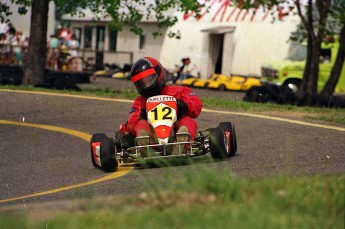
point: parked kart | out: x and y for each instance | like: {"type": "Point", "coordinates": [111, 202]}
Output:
{"type": "Point", "coordinates": [189, 81]}
{"type": "Point", "coordinates": [108, 70]}
{"type": "Point", "coordinates": [196, 82]}
{"type": "Point", "coordinates": [108, 152]}
{"type": "Point", "coordinates": [223, 82]}
{"type": "Point", "coordinates": [237, 83]}
{"type": "Point", "coordinates": [203, 83]}
{"type": "Point", "coordinates": [250, 82]}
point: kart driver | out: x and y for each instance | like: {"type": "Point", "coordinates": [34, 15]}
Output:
{"type": "Point", "coordinates": [148, 76]}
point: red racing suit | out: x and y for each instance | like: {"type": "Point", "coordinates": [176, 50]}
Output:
{"type": "Point", "coordinates": [194, 105]}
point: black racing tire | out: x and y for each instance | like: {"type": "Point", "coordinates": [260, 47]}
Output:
{"type": "Point", "coordinates": [214, 144]}
{"type": "Point", "coordinates": [222, 87]}
{"type": "Point", "coordinates": [291, 86]}
{"type": "Point", "coordinates": [96, 138]}
{"type": "Point", "coordinates": [108, 155]}
{"type": "Point", "coordinates": [230, 147]}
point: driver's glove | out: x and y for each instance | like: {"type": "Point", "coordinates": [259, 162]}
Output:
{"type": "Point", "coordinates": [124, 130]}
{"type": "Point", "coordinates": [181, 108]}
{"type": "Point", "coordinates": [126, 139]}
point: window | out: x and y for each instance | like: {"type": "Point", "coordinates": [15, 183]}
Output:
{"type": "Point", "coordinates": [100, 38]}
{"type": "Point", "coordinates": [77, 33]}
{"type": "Point", "coordinates": [142, 41]}
{"type": "Point", "coordinates": [88, 37]}
{"type": "Point", "coordinates": [297, 52]}
{"type": "Point", "coordinates": [112, 40]}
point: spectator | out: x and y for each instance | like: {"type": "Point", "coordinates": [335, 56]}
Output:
{"type": "Point", "coordinates": [64, 35]}
{"type": "Point", "coordinates": [63, 58]}
{"type": "Point", "coordinates": [3, 27]}
{"type": "Point", "coordinates": [5, 49]}
{"type": "Point", "coordinates": [53, 45]}
{"type": "Point", "coordinates": [73, 46]}
{"type": "Point", "coordinates": [11, 30]}
{"type": "Point", "coordinates": [24, 45]}
{"type": "Point", "coordinates": [186, 69]}
{"type": "Point", "coordinates": [16, 48]}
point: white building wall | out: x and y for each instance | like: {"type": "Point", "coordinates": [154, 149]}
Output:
{"type": "Point", "coordinates": [22, 22]}
{"type": "Point", "coordinates": [190, 45]}
{"type": "Point", "coordinates": [256, 44]}
{"type": "Point", "coordinates": [256, 39]}
{"type": "Point", "coordinates": [127, 41]}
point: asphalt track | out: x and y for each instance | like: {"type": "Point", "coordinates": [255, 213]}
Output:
{"type": "Point", "coordinates": [45, 153]}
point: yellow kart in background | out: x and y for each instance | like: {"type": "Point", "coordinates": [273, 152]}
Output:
{"type": "Point", "coordinates": [233, 83]}
{"type": "Point", "coordinates": [203, 83]}
{"type": "Point", "coordinates": [196, 82]}
{"type": "Point", "coordinates": [189, 82]}
{"type": "Point", "coordinates": [250, 82]}
{"type": "Point", "coordinates": [222, 82]}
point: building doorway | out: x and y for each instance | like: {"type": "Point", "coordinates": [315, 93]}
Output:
{"type": "Point", "coordinates": [220, 49]}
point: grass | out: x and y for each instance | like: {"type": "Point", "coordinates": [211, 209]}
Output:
{"type": "Point", "coordinates": [335, 115]}
{"type": "Point", "coordinates": [205, 198]}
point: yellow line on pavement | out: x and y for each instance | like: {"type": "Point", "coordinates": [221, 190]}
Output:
{"type": "Point", "coordinates": [204, 109]}
{"type": "Point", "coordinates": [69, 95]}
{"type": "Point", "coordinates": [120, 171]}
{"type": "Point", "coordinates": [75, 133]}
{"type": "Point", "coordinates": [276, 119]}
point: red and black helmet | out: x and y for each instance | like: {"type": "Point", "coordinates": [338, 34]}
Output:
{"type": "Point", "coordinates": [148, 76]}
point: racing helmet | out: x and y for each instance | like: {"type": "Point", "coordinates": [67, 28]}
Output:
{"type": "Point", "coordinates": [148, 76]}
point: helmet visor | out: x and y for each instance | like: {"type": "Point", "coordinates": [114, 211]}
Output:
{"type": "Point", "coordinates": [146, 82]}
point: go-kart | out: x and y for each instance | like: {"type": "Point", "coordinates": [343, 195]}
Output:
{"type": "Point", "coordinates": [233, 82]}
{"type": "Point", "coordinates": [161, 110]}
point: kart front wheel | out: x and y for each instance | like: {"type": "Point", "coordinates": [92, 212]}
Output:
{"type": "Point", "coordinates": [222, 141]}
{"type": "Point", "coordinates": [96, 138]}
{"type": "Point", "coordinates": [214, 143]}
{"type": "Point", "coordinates": [229, 141]}
{"type": "Point", "coordinates": [108, 155]}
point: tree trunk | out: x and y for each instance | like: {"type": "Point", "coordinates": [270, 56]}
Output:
{"type": "Point", "coordinates": [314, 68]}
{"type": "Point", "coordinates": [34, 63]}
{"type": "Point", "coordinates": [328, 90]}
{"type": "Point", "coordinates": [302, 94]}
{"type": "Point", "coordinates": [311, 80]}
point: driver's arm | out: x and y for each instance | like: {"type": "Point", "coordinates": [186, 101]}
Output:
{"type": "Point", "coordinates": [134, 115]}
{"type": "Point", "coordinates": [192, 102]}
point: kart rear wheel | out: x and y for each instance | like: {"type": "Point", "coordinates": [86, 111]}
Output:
{"type": "Point", "coordinates": [108, 155]}
{"type": "Point", "coordinates": [215, 147]}
{"type": "Point", "coordinates": [96, 138]}
{"type": "Point", "coordinates": [228, 142]}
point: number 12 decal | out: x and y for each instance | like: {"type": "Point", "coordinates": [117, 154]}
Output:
{"type": "Point", "coordinates": [165, 111]}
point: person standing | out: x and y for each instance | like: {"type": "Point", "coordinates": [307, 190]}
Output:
{"type": "Point", "coordinates": [73, 47]}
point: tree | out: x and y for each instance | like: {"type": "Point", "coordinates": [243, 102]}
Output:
{"type": "Point", "coordinates": [122, 13]}
{"type": "Point", "coordinates": [308, 89]}
{"type": "Point", "coordinates": [34, 64]}
{"type": "Point", "coordinates": [337, 12]}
